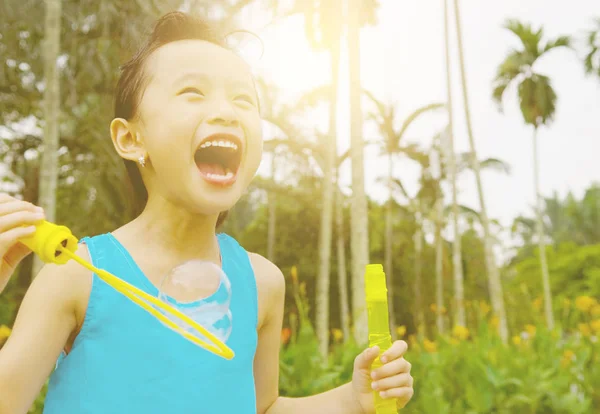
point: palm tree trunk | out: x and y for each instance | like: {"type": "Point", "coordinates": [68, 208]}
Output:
{"type": "Point", "coordinates": [494, 284]}
{"type": "Point", "coordinates": [272, 222]}
{"type": "Point", "coordinates": [459, 289]}
{"type": "Point", "coordinates": [49, 162]}
{"type": "Point", "coordinates": [359, 213]}
{"type": "Point", "coordinates": [323, 282]}
{"type": "Point", "coordinates": [389, 268]}
{"type": "Point", "coordinates": [419, 314]}
{"type": "Point", "coordinates": [541, 241]}
{"type": "Point", "coordinates": [341, 260]}
{"type": "Point", "coordinates": [439, 270]}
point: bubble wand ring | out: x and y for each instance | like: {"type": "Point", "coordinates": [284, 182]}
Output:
{"type": "Point", "coordinates": [56, 244]}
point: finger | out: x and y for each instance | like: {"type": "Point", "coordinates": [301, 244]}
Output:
{"type": "Point", "coordinates": [397, 366]}
{"type": "Point", "coordinates": [5, 197]}
{"type": "Point", "coordinates": [395, 381]}
{"type": "Point", "coordinates": [366, 358]}
{"type": "Point", "coordinates": [403, 393]}
{"type": "Point", "coordinates": [14, 206]}
{"type": "Point", "coordinates": [10, 237]}
{"type": "Point", "coordinates": [396, 351]}
{"type": "Point", "coordinates": [20, 218]}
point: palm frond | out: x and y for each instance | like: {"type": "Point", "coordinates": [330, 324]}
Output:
{"type": "Point", "coordinates": [529, 38]}
{"type": "Point", "coordinates": [463, 211]}
{"type": "Point", "coordinates": [537, 100]}
{"type": "Point", "coordinates": [592, 57]}
{"type": "Point", "coordinates": [418, 112]}
{"type": "Point", "coordinates": [514, 64]}
{"type": "Point", "coordinates": [495, 164]}
{"type": "Point", "coordinates": [399, 186]}
{"type": "Point", "coordinates": [561, 41]}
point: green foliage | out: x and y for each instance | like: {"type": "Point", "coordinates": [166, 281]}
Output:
{"type": "Point", "coordinates": [537, 98]}
{"type": "Point", "coordinates": [548, 372]}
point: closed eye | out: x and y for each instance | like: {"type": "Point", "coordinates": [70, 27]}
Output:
{"type": "Point", "coordinates": [245, 98]}
{"type": "Point", "coordinates": [191, 90]}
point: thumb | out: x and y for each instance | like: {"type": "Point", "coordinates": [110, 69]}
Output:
{"type": "Point", "coordinates": [364, 360]}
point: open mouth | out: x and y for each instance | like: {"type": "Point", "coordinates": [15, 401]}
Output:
{"type": "Point", "coordinates": [218, 158]}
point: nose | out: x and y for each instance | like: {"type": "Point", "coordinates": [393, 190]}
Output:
{"type": "Point", "coordinates": [225, 115]}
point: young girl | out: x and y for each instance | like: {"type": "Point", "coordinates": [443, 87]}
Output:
{"type": "Point", "coordinates": [187, 114]}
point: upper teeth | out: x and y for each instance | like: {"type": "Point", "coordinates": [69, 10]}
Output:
{"type": "Point", "coordinates": [215, 143]}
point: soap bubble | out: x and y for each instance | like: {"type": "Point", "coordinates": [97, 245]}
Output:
{"type": "Point", "coordinates": [202, 291]}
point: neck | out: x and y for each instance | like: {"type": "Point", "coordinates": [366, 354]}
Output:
{"type": "Point", "coordinates": [174, 231]}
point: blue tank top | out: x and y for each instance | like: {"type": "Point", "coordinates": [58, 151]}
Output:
{"type": "Point", "coordinates": [125, 361]}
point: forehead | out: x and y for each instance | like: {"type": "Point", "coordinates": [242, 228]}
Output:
{"type": "Point", "coordinates": [176, 59]}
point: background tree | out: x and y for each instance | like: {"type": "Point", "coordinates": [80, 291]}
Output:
{"type": "Point", "coordinates": [537, 100]}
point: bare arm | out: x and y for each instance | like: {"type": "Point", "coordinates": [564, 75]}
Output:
{"type": "Point", "coordinates": [266, 363]}
{"type": "Point", "coordinates": [49, 315]}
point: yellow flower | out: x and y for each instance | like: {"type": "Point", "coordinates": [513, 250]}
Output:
{"type": "Point", "coordinates": [454, 341]}
{"type": "Point", "coordinates": [567, 357]}
{"type": "Point", "coordinates": [460, 332]}
{"type": "Point", "coordinates": [530, 330]}
{"type": "Point", "coordinates": [585, 330]}
{"type": "Point", "coordinates": [4, 332]}
{"type": "Point", "coordinates": [585, 303]}
{"type": "Point", "coordinates": [430, 346]}
{"type": "Point", "coordinates": [401, 331]}
{"type": "Point", "coordinates": [294, 272]}
{"type": "Point", "coordinates": [537, 303]}
{"type": "Point", "coordinates": [337, 334]}
{"type": "Point", "coordinates": [595, 324]}
{"type": "Point", "coordinates": [516, 340]}
{"type": "Point", "coordinates": [595, 311]}
{"type": "Point", "coordinates": [484, 307]}
{"type": "Point", "coordinates": [443, 310]}
{"type": "Point", "coordinates": [433, 307]}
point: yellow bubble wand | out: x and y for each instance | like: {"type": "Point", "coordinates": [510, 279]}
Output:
{"type": "Point", "coordinates": [379, 326]}
{"type": "Point", "coordinates": [56, 244]}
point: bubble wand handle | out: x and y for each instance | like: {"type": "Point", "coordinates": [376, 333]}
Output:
{"type": "Point", "coordinates": [56, 244]}
{"type": "Point", "coordinates": [379, 327]}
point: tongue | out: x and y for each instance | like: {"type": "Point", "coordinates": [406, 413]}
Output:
{"type": "Point", "coordinates": [211, 169]}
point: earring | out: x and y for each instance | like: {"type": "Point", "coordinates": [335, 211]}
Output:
{"type": "Point", "coordinates": [142, 161]}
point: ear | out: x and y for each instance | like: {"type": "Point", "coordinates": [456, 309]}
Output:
{"type": "Point", "coordinates": [126, 140]}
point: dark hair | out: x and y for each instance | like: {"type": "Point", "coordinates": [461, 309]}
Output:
{"type": "Point", "coordinates": [169, 28]}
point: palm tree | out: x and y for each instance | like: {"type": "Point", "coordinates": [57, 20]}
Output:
{"type": "Point", "coordinates": [341, 259]}
{"type": "Point", "coordinates": [326, 35]}
{"type": "Point", "coordinates": [592, 56]}
{"type": "Point", "coordinates": [393, 145]}
{"type": "Point", "coordinates": [448, 152]}
{"type": "Point", "coordinates": [360, 12]}
{"type": "Point", "coordinates": [494, 284]}
{"type": "Point", "coordinates": [49, 162]}
{"type": "Point", "coordinates": [538, 106]}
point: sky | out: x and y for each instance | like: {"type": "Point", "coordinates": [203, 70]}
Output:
{"type": "Point", "coordinates": [403, 63]}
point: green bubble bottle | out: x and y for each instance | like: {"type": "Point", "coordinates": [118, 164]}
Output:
{"type": "Point", "coordinates": [379, 326]}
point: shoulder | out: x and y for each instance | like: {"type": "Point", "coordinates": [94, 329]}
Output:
{"type": "Point", "coordinates": [270, 283]}
{"type": "Point", "coordinates": [268, 275]}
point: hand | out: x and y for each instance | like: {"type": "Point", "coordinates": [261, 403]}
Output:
{"type": "Point", "coordinates": [392, 379]}
{"type": "Point", "coordinates": [17, 220]}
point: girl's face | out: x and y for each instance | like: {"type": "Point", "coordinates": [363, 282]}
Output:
{"type": "Point", "coordinates": [199, 125]}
